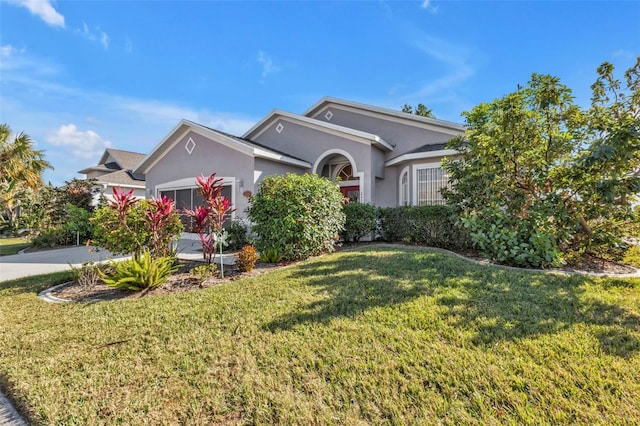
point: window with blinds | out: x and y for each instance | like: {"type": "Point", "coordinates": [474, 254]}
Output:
{"type": "Point", "coordinates": [190, 198]}
{"type": "Point", "coordinates": [429, 181]}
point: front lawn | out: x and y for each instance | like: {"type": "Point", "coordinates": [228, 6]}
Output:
{"type": "Point", "coordinates": [376, 335]}
{"type": "Point", "coordinates": [13, 245]}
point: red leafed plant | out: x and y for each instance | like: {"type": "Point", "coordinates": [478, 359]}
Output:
{"type": "Point", "coordinates": [209, 219]}
{"type": "Point", "coordinates": [160, 220]}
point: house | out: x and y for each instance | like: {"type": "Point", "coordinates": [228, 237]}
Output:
{"type": "Point", "coordinates": [115, 169]}
{"type": "Point", "coordinates": [378, 156]}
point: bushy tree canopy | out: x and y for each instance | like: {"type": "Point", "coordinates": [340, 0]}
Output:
{"type": "Point", "coordinates": [541, 178]}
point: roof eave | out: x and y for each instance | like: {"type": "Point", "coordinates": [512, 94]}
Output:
{"type": "Point", "coordinates": [267, 155]}
{"type": "Point", "coordinates": [420, 156]}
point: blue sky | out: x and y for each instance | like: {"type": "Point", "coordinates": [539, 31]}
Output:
{"type": "Point", "coordinates": [79, 76]}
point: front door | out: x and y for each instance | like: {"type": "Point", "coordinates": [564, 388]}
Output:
{"type": "Point", "coordinates": [351, 193]}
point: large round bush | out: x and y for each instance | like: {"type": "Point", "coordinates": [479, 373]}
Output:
{"type": "Point", "coordinates": [298, 215]}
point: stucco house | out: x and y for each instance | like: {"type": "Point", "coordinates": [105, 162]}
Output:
{"type": "Point", "coordinates": [382, 157]}
{"type": "Point", "coordinates": [115, 169]}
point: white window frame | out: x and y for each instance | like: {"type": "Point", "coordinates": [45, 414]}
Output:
{"type": "Point", "coordinates": [423, 166]}
{"type": "Point", "coordinates": [404, 198]}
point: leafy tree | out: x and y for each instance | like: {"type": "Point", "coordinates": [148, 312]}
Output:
{"type": "Point", "coordinates": [421, 110]}
{"type": "Point", "coordinates": [541, 179]}
{"type": "Point", "coordinates": [21, 168]}
{"type": "Point", "coordinates": [297, 216]}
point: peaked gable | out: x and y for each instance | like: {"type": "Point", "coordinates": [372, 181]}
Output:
{"type": "Point", "coordinates": [322, 109]}
{"type": "Point", "coordinates": [230, 141]}
{"type": "Point", "coordinates": [347, 132]}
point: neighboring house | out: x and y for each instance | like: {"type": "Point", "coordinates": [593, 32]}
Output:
{"type": "Point", "coordinates": [115, 169]}
{"type": "Point", "coordinates": [381, 156]}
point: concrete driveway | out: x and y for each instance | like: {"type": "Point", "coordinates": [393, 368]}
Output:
{"type": "Point", "coordinates": [47, 261]}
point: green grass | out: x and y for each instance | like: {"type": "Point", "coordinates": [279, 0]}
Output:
{"type": "Point", "coordinates": [632, 256]}
{"type": "Point", "coordinates": [378, 335]}
{"type": "Point", "coordinates": [13, 245]}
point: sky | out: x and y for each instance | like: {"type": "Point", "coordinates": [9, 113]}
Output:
{"type": "Point", "coordinates": [81, 76]}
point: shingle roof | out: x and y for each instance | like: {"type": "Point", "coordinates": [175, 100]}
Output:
{"type": "Point", "coordinates": [120, 177]}
{"type": "Point", "coordinates": [128, 160]}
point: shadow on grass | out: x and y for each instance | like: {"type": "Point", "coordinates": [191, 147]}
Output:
{"type": "Point", "coordinates": [495, 304]}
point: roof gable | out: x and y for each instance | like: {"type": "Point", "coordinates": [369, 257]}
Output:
{"type": "Point", "coordinates": [233, 142]}
{"type": "Point", "coordinates": [386, 113]}
{"type": "Point", "coordinates": [349, 133]}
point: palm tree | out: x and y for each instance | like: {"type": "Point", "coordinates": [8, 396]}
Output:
{"type": "Point", "coordinates": [21, 168]}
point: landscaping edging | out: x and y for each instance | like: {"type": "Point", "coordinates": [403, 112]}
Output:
{"type": "Point", "coordinates": [48, 297]}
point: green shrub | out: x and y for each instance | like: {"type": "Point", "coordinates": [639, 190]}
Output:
{"type": "Point", "coordinates": [435, 226]}
{"type": "Point", "coordinates": [139, 274]}
{"type": "Point", "coordinates": [361, 220]}
{"type": "Point", "coordinates": [270, 255]}
{"type": "Point", "coordinates": [512, 240]}
{"type": "Point", "coordinates": [247, 259]}
{"type": "Point", "coordinates": [300, 215]}
{"type": "Point", "coordinates": [52, 237]}
{"type": "Point", "coordinates": [205, 271]}
{"type": "Point", "coordinates": [238, 235]}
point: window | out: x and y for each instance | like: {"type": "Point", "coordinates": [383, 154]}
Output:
{"type": "Point", "coordinates": [404, 188]}
{"type": "Point", "coordinates": [429, 179]}
{"type": "Point", "coordinates": [190, 198]}
{"type": "Point", "coordinates": [346, 173]}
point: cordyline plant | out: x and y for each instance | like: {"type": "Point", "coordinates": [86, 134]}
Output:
{"type": "Point", "coordinates": [159, 218]}
{"type": "Point", "coordinates": [209, 219]}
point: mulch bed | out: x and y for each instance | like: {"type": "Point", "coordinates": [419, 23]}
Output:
{"type": "Point", "coordinates": [179, 282]}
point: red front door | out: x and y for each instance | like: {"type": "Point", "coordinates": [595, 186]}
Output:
{"type": "Point", "coordinates": [352, 193]}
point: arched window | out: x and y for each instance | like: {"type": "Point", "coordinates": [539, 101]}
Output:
{"type": "Point", "coordinates": [346, 173]}
{"type": "Point", "coordinates": [404, 188]}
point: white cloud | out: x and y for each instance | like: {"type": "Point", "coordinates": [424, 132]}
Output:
{"type": "Point", "coordinates": [8, 50]}
{"type": "Point", "coordinates": [128, 45]}
{"type": "Point", "coordinates": [43, 9]}
{"type": "Point", "coordinates": [623, 53]}
{"type": "Point", "coordinates": [268, 67]}
{"type": "Point", "coordinates": [454, 57]}
{"type": "Point", "coordinates": [95, 36]}
{"type": "Point", "coordinates": [104, 39]}
{"type": "Point", "coordinates": [428, 5]}
{"type": "Point", "coordinates": [84, 145]}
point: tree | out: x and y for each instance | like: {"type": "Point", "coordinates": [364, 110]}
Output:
{"type": "Point", "coordinates": [421, 110]}
{"type": "Point", "coordinates": [21, 168]}
{"type": "Point", "coordinates": [541, 179]}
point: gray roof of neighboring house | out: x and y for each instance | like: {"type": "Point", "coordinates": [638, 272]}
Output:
{"type": "Point", "coordinates": [120, 171]}
{"type": "Point", "coordinates": [120, 177]}
{"type": "Point", "coordinates": [127, 160]}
